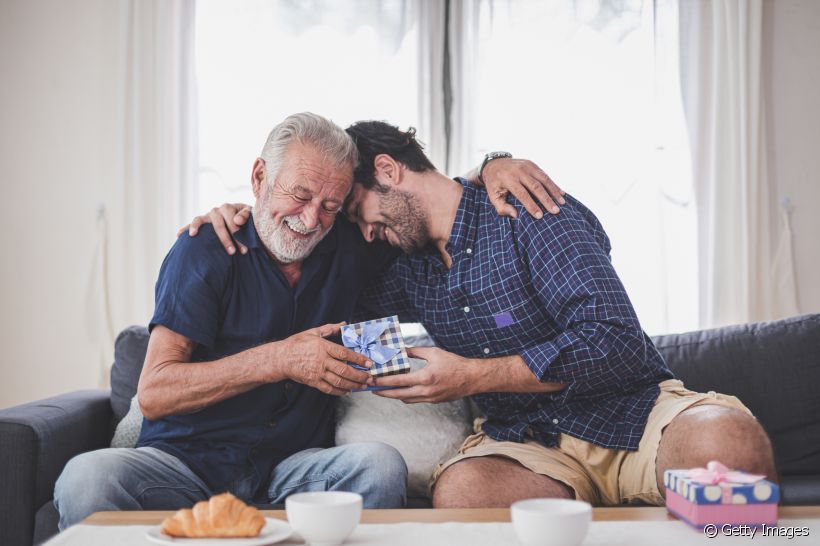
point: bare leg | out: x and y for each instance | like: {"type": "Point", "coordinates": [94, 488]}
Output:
{"type": "Point", "coordinates": [493, 482]}
{"type": "Point", "coordinates": [708, 432]}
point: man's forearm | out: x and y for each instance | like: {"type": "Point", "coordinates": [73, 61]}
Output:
{"type": "Point", "coordinates": [508, 374]}
{"type": "Point", "coordinates": [174, 386]}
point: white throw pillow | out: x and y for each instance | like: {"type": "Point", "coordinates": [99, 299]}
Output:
{"type": "Point", "coordinates": [425, 434]}
{"type": "Point", "coordinates": [128, 430]}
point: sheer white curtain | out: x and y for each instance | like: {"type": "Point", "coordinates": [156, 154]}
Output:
{"type": "Point", "coordinates": [152, 192]}
{"type": "Point", "coordinates": [431, 125]}
{"type": "Point", "coordinates": [463, 51]}
{"type": "Point", "coordinates": [722, 89]}
{"type": "Point", "coordinates": [589, 91]}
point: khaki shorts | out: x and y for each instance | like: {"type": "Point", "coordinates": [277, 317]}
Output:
{"type": "Point", "coordinates": [600, 476]}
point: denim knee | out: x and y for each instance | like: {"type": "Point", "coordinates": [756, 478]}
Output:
{"type": "Point", "coordinates": [383, 469]}
{"type": "Point", "coordinates": [390, 462]}
{"type": "Point", "coordinates": [90, 482]}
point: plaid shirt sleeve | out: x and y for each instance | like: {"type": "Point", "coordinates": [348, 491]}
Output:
{"type": "Point", "coordinates": [601, 340]}
{"type": "Point", "coordinates": [386, 296]}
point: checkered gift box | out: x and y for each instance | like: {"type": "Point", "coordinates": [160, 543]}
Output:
{"type": "Point", "coordinates": [360, 337]}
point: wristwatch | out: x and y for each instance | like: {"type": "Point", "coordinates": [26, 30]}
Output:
{"type": "Point", "coordinates": [487, 158]}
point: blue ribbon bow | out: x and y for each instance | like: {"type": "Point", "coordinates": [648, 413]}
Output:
{"type": "Point", "coordinates": [368, 344]}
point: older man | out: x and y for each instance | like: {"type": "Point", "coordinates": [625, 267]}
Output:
{"type": "Point", "coordinates": [532, 321]}
{"type": "Point", "coordinates": [237, 382]}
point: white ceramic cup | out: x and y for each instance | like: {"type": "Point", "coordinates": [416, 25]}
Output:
{"type": "Point", "coordinates": [324, 518]}
{"type": "Point", "coordinates": [551, 522]}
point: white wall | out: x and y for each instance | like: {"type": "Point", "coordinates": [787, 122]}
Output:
{"type": "Point", "coordinates": [59, 131]}
{"type": "Point", "coordinates": [57, 150]}
{"type": "Point", "coordinates": [791, 36]}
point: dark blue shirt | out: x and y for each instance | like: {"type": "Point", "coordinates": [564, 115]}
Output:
{"type": "Point", "coordinates": [545, 290]}
{"type": "Point", "coordinates": [228, 304]}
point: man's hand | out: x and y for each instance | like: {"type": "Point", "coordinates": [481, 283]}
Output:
{"type": "Point", "coordinates": [226, 220]}
{"type": "Point", "coordinates": [526, 181]}
{"type": "Point", "coordinates": [446, 377]}
{"type": "Point", "coordinates": [314, 361]}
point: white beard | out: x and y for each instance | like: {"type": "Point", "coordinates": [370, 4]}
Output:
{"type": "Point", "coordinates": [280, 239]}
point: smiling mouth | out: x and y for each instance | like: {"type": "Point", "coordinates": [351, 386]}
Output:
{"type": "Point", "coordinates": [300, 232]}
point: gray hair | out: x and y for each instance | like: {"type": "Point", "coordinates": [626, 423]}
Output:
{"type": "Point", "coordinates": [329, 139]}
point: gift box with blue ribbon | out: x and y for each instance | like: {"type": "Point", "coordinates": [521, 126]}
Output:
{"type": "Point", "coordinates": [380, 341]}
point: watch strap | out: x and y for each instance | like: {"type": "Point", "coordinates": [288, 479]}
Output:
{"type": "Point", "coordinates": [487, 158]}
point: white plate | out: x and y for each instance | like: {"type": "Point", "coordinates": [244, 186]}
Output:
{"type": "Point", "coordinates": [274, 531]}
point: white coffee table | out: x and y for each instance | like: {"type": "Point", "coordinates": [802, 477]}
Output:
{"type": "Point", "coordinates": [611, 526]}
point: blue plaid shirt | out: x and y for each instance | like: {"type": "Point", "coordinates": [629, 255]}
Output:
{"type": "Point", "coordinates": [545, 290]}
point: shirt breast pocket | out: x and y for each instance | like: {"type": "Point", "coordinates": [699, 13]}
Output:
{"type": "Point", "coordinates": [519, 324]}
{"type": "Point", "coordinates": [503, 293]}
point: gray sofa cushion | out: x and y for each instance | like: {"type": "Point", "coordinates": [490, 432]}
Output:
{"type": "Point", "coordinates": [129, 355]}
{"type": "Point", "coordinates": [773, 367]}
{"type": "Point", "coordinates": [800, 490]}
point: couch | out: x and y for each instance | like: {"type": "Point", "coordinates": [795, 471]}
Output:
{"type": "Point", "coordinates": [773, 367]}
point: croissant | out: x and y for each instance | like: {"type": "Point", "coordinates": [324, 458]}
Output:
{"type": "Point", "coordinates": [220, 517]}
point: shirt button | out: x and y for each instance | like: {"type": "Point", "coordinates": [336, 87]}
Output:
{"type": "Point", "coordinates": [555, 421]}
{"type": "Point", "coordinates": [486, 350]}
{"type": "Point", "coordinates": [467, 309]}
{"type": "Point", "coordinates": [288, 386]}
{"type": "Point", "coordinates": [272, 423]}
{"type": "Point", "coordinates": [469, 251]}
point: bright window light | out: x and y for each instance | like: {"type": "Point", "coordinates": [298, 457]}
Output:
{"type": "Point", "coordinates": [589, 91]}
{"type": "Point", "coordinates": [259, 61]}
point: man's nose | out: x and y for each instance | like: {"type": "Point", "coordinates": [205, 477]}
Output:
{"type": "Point", "coordinates": [310, 215]}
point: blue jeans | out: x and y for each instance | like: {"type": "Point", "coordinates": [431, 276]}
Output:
{"type": "Point", "coordinates": [149, 479]}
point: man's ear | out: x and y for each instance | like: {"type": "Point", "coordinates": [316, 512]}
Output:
{"type": "Point", "coordinates": [258, 177]}
{"type": "Point", "coordinates": [388, 170]}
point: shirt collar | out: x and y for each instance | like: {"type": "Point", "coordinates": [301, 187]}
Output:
{"type": "Point", "coordinates": [462, 234]}
{"type": "Point", "coordinates": [247, 235]}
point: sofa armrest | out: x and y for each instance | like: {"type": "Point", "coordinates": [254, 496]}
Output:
{"type": "Point", "coordinates": [36, 442]}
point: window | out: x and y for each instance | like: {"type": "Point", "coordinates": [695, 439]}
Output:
{"type": "Point", "coordinates": [589, 91]}
{"type": "Point", "coordinates": [259, 61]}
{"type": "Point", "coordinates": [586, 88]}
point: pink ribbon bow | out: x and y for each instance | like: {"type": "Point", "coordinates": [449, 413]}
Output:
{"type": "Point", "coordinates": [715, 473]}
